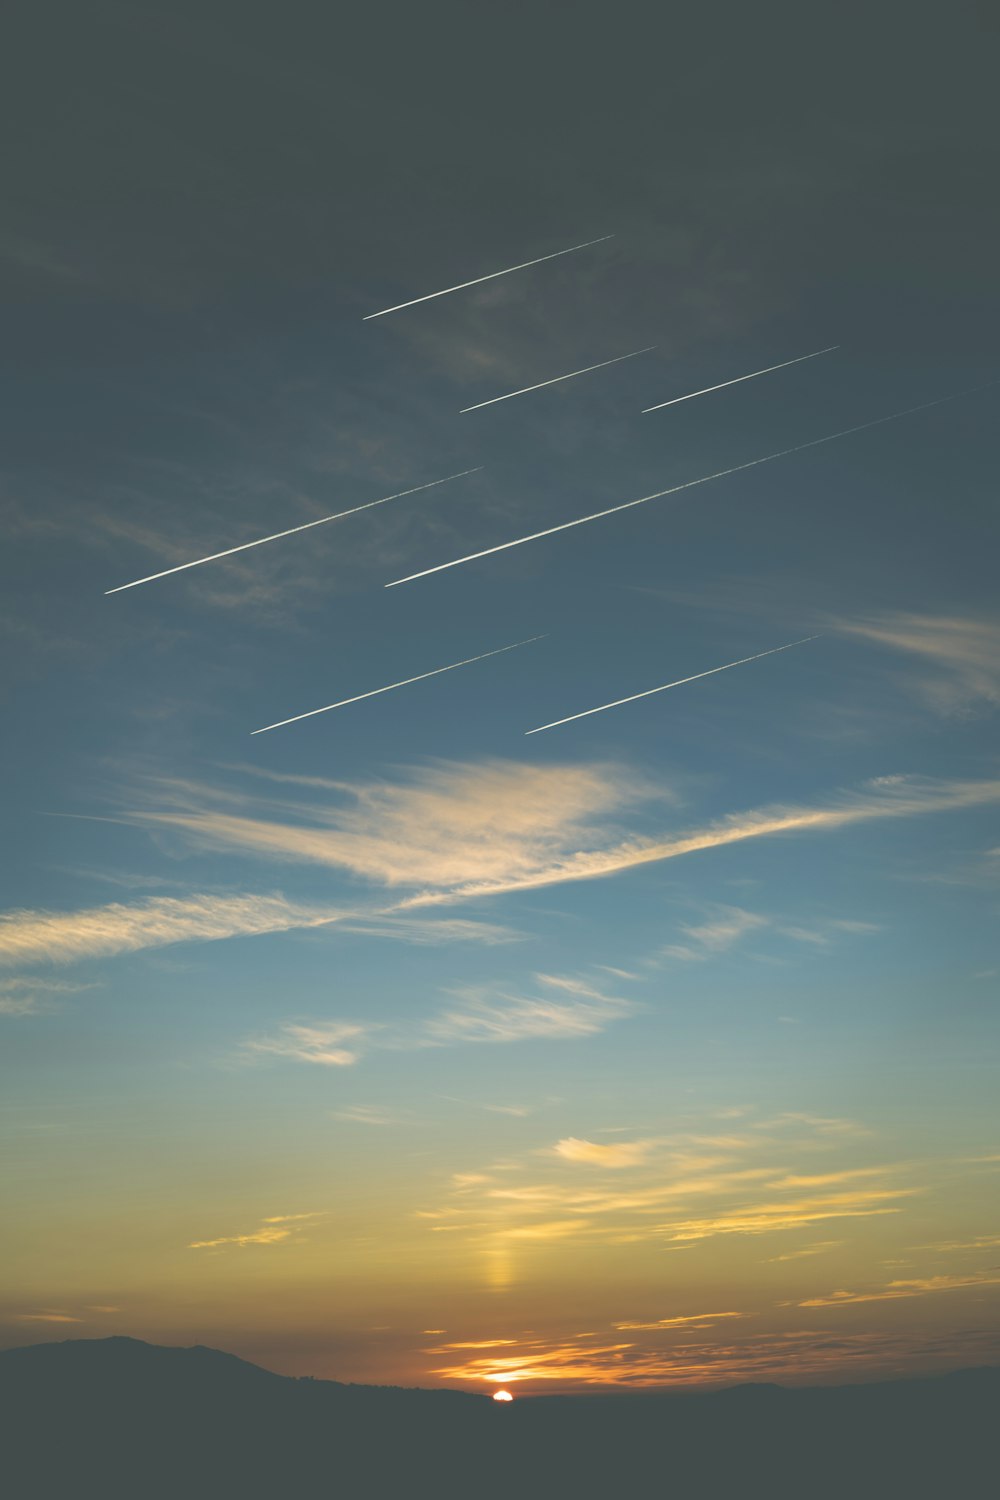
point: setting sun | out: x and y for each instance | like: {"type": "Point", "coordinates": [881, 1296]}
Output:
{"type": "Point", "coordinates": [502, 1396]}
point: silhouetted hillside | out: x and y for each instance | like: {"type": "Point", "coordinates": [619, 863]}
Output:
{"type": "Point", "coordinates": [118, 1417]}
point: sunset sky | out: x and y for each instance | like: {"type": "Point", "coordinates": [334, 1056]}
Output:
{"type": "Point", "coordinates": [397, 1044]}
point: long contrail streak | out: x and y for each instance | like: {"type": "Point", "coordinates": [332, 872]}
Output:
{"type": "Point", "coordinates": [752, 376]}
{"type": "Point", "coordinates": [542, 383]}
{"type": "Point", "coordinates": [275, 536]}
{"type": "Point", "coordinates": [667, 685]}
{"type": "Point", "coordinates": [393, 685]}
{"type": "Point", "coordinates": [491, 277]}
{"type": "Point", "coordinates": [690, 484]}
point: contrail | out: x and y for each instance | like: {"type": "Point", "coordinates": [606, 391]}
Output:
{"type": "Point", "coordinates": [667, 685]}
{"type": "Point", "coordinates": [542, 383]}
{"type": "Point", "coordinates": [392, 685]}
{"type": "Point", "coordinates": [752, 376]}
{"type": "Point", "coordinates": [214, 557]}
{"type": "Point", "coordinates": [491, 277]}
{"type": "Point", "coordinates": [690, 484]}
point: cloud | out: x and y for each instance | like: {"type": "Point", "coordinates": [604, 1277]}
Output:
{"type": "Point", "coordinates": [460, 832]}
{"type": "Point", "coordinates": [274, 1230]}
{"type": "Point", "coordinates": [616, 1154]}
{"type": "Point", "coordinates": [493, 1014]}
{"type": "Point", "coordinates": [696, 1320]}
{"type": "Point", "coordinates": [453, 834]}
{"type": "Point", "coordinates": [33, 937]}
{"type": "Point", "coordinates": [728, 925]}
{"type": "Point", "coordinates": [365, 1114]}
{"type": "Point", "coordinates": [492, 824]}
{"type": "Point", "coordinates": [920, 1287]}
{"type": "Point", "coordinates": [25, 997]}
{"type": "Point", "coordinates": [28, 937]}
{"type": "Point", "coordinates": [961, 651]}
{"type": "Point", "coordinates": [666, 1195]}
{"type": "Point", "coordinates": [795, 1357]}
{"type": "Point", "coordinates": [46, 1317]}
{"type": "Point", "coordinates": [485, 1013]}
{"type": "Point", "coordinates": [767, 1217]}
{"type": "Point", "coordinates": [312, 1044]}
{"type": "Point", "coordinates": [819, 1248]}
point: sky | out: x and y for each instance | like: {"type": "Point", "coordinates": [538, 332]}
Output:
{"type": "Point", "coordinates": [397, 1043]}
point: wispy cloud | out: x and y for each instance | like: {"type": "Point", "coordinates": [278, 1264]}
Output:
{"type": "Point", "coordinates": [673, 1192]}
{"type": "Point", "coordinates": [29, 937]}
{"type": "Point", "coordinates": [550, 1007]}
{"type": "Point", "coordinates": [615, 1154]}
{"type": "Point", "coordinates": [960, 654]}
{"type": "Point", "coordinates": [894, 1290]}
{"type": "Point", "coordinates": [465, 831]}
{"type": "Point", "coordinates": [688, 1321]}
{"type": "Point", "coordinates": [727, 926]}
{"type": "Point", "coordinates": [25, 997]}
{"type": "Point", "coordinates": [452, 834]}
{"type": "Point", "coordinates": [798, 1356]}
{"type": "Point", "coordinates": [33, 937]}
{"type": "Point", "coordinates": [46, 1317]}
{"type": "Point", "coordinates": [313, 1044]}
{"type": "Point", "coordinates": [365, 1114]}
{"type": "Point", "coordinates": [494, 1014]}
{"type": "Point", "coordinates": [821, 1247]}
{"type": "Point", "coordinates": [274, 1230]}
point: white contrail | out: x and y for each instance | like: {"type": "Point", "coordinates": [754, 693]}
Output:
{"type": "Point", "coordinates": [491, 277]}
{"type": "Point", "coordinates": [752, 376]}
{"type": "Point", "coordinates": [690, 484]}
{"type": "Point", "coordinates": [667, 685]}
{"type": "Point", "coordinates": [275, 536]}
{"type": "Point", "coordinates": [392, 685]}
{"type": "Point", "coordinates": [542, 383]}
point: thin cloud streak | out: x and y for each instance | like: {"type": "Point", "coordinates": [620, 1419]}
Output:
{"type": "Point", "coordinates": [433, 839]}
{"type": "Point", "coordinates": [752, 463]}
{"type": "Point", "coordinates": [708, 389]}
{"type": "Point", "coordinates": [525, 389]}
{"type": "Point", "coordinates": [491, 277]}
{"type": "Point", "coordinates": [393, 685]}
{"type": "Point", "coordinates": [292, 530]}
{"type": "Point", "coordinates": [667, 685]}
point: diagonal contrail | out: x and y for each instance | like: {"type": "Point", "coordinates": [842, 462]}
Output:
{"type": "Point", "coordinates": [667, 685]}
{"type": "Point", "coordinates": [392, 685]}
{"type": "Point", "coordinates": [491, 277]}
{"type": "Point", "coordinates": [690, 484]}
{"type": "Point", "coordinates": [752, 376]}
{"type": "Point", "coordinates": [276, 536]}
{"type": "Point", "coordinates": [542, 383]}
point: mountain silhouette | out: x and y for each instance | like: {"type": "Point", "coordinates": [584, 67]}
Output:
{"type": "Point", "coordinates": [119, 1417]}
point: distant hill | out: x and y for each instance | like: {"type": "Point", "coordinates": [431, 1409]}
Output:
{"type": "Point", "coordinates": [119, 1417]}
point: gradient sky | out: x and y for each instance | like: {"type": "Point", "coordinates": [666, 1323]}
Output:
{"type": "Point", "coordinates": [393, 1045]}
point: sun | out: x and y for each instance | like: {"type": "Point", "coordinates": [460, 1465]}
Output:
{"type": "Point", "coordinates": [502, 1396]}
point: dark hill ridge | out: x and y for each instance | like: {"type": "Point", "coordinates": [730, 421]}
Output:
{"type": "Point", "coordinates": [119, 1417]}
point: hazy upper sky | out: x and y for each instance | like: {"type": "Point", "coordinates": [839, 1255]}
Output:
{"type": "Point", "coordinates": [394, 1044]}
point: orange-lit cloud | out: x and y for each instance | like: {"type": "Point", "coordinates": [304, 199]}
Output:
{"type": "Point", "coordinates": [696, 1320]}
{"type": "Point", "coordinates": [272, 1231]}
{"type": "Point", "coordinates": [616, 1154]}
{"type": "Point", "coordinates": [801, 1356]}
{"type": "Point", "coordinates": [46, 1317]}
{"type": "Point", "coordinates": [919, 1287]}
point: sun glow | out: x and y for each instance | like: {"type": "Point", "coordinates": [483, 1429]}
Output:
{"type": "Point", "coordinates": [502, 1396]}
